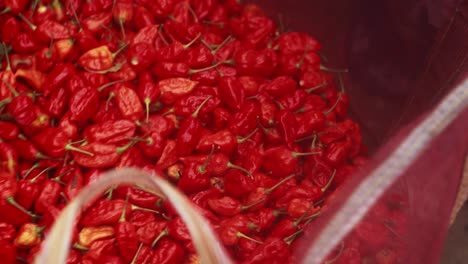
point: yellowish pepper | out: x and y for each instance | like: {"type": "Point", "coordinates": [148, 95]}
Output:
{"type": "Point", "coordinates": [90, 234]}
{"type": "Point", "coordinates": [28, 236]}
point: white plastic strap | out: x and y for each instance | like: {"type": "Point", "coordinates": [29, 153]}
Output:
{"type": "Point", "coordinates": [57, 244]}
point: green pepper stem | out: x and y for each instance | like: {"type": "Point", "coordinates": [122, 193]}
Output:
{"type": "Point", "coordinates": [11, 88]}
{"type": "Point", "coordinates": [39, 155]}
{"type": "Point", "coordinates": [325, 188]}
{"type": "Point", "coordinates": [236, 167]}
{"type": "Point", "coordinates": [137, 208]}
{"type": "Point", "coordinates": [247, 207]}
{"type": "Point", "coordinates": [301, 60]}
{"type": "Point", "coordinates": [333, 106]}
{"type": "Point", "coordinates": [69, 147]}
{"type": "Point", "coordinates": [242, 139]}
{"type": "Point", "coordinates": [109, 84]}
{"type": "Point", "coordinates": [33, 167]}
{"type": "Point", "coordinates": [80, 247]}
{"type": "Point", "coordinates": [114, 68]}
{"type": "Point", "coordinates": [121, 21]}
{"type": "Point", "coordinates": [108, 100]}
{"type": "Point", "coordinates": [121, 43]}
{"type": "Point", "coordinates": [27, 21]}
{"type": "Point", "coordinates": [195, 17]}
{"type": "Point", "coordinates": [39, 174]}
{"type": "Point", "coordinates": [304, 215]}
{"type": "Point", "coordinates": [224, 43]}
{"type": "Point", "coordinates": [197, 111]}
{"type": "Point", "coordinates": [5, 102]}
{"type": "Point", "coordinates": [8, 68]}
{"type": "Point", "coordinates": [147, 108]}
{"type": "Point", "coordinates": [124, 210]}
{"type": "Point", "coordinates": [300, 154]}
{"type": "Point", "coordinates": [324, 68]}
{"type": "Point", "coordinates": [122, 149]}
{"type": "Point", "coordinates": [202, 168]}
{"type": "Point", "coordinates": [161, 235]}
{"type": "Point", "coordinates": [272, 188]}
{"type": "Point", "coordinates": [193, 71]}
{"type": "Point", "coordinates": [288, 240]}
{"type": "Point", "coordinates": [119, 50]}
{"type": "Point", "coordinates": [75, 16]}
{"type": "Point", "coordinates": [6, 10]}
{"type": "Point", "coordinates": [188, 45]}
{"type": "Point", "coordinates": [310, 90]}
{"type": "Point", "coordinates": [160, 35]}
{"type": "Point", "coordinates": [11, 201]}
{"type": "Point", "coordinates": [241, 235]}
{"type": "Point", "coordinates": [136, 254]}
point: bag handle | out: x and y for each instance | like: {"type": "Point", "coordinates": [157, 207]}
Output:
{"type": "Point", "coordinates": [57, 244]}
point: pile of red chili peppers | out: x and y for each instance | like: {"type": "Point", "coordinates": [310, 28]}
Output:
{"type": "Point", "coordinates": [239, 115]}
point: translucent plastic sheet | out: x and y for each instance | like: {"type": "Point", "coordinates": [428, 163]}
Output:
{"type": "Point", "coordinates": [404, 57]}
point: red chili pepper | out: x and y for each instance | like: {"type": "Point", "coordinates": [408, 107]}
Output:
{"type": "Point", "coordinates": [273, 250]}
{"type": "Point", "coordinates": [232, 92]}
{"type": "Point", "coordinates": [169, 155]}
{"type": "Point", "coordinates": [84, 104]}
{"type": "Point", "coordinates": [31, 118]}
{"type": "Point", "coordinates": [223, 141]}
{"type": "Point", "coordinates": [232, 229]}
{"type": "Point", "coordinates": [152, 232]}
{"type": "Point", "coordinates": [143, 18]}
{"type": "Point", "coordinates": [128, 102]}
{"type": "Point", "coordinates": [28, 191]}
{"type": "Point", "coordinates": [101, 248]}
{"type": "Point", "coordinates": [7, 232]}
{"type": "Point", "coordinates": [59, 75]}
{"type": "Point", "coordinates": [105, 212]}
{"type": "Point", "coordinates": [143, 255]}
{"type": "Point", "coordinates": [298, 192]}
{"type": "Point", "coordinates": [10, 28]}
{"type": "Point", "coordinates": [287, 124]}
{"type": "Point", "coordinates": [168, 252]}
{"type": "Point", "coordinates": [110, 132]}
{"type": "Point", "coordinates": [50, 194]}
{"type": "Point", "coordinates": [193, 179]}
{"type": "Point", "coordinates": [127, 240]}
{"type": "Point", "coordinates": [256, 63]}
{"type": "Point", "coordinates": [245, 121]}
{"type": "Point", "coordinates": [175, 88]}
{"type": "Point", "coordinates": [98, 156]}
{"type": "Point", "coordinates": [8, 159]}
{"type": "Point", "coordinates": [98, 59]}
{"type": "Point", "coordinates": [148, 35]}
{"type": "Point", "coordinates": [148, 91]}
{"type": "Point", "coordinates": [279, 161]}
{"type": "Point", "coordinates": [27, 150]}
{"type": "Point", "coordinates": [24, 43]}
{"type": "Point", "coordinates": [49, 29]}
{"type": "Point", "coordinates": [54, 142]}
{"type": "Point", "coordinates": [56, 104]}
{"type": "Point", "coordinates": [8, 130]}
{"type": "Point", "coordinates": [93, 23]}
{"type": "Point", "coordinates": [141, 55]}
{"type": "Point", "coordinates": [189, 132]}
{"type": "Point", "coordinates": [8, 252]}
{"type": "Point", "coordinates": [157, 124]}
{"type": "Point", "coordinates": [141, 218]}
